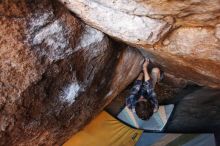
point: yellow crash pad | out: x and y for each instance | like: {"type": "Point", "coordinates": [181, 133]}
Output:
{"type": "Point", "coordinates": [105, 130]}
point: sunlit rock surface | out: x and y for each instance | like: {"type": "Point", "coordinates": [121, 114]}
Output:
{"type": "Point", "coordinates": [181, 36]}
{"type": "Point", "coordinates": [191, 53]}
{"type": "Point", "coordinates": [56, 73]}
{"type": "Point", "coordinates": [118, 19]}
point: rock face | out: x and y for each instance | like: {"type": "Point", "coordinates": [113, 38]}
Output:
{"type": "Point", "coordinates": [197, 112]}
{"type": "Point", "coordinates": [121, 19]}
{"type": "Point", "coordinates": [55, 72]}
{"type": "Point", "coordinates": [182, 36]}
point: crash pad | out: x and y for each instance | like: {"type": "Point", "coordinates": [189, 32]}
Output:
{"type": "Point", "coordinates": [156, 123]}
{"type": "Point", "coordinates": [105, 130]}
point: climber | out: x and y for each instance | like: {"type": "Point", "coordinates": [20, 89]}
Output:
{"type": "Point", "coordinates": [142, 98]}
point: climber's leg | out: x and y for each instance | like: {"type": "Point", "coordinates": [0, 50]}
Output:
{"type": "Point", "coordinates": [155, 76]}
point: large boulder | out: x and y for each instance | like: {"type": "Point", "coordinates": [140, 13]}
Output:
{"type": "Point", "coordinates": [182, 36]}
{"type": "Point", "coordinates": [197, 112]}
{"type": "Point", "coordinates": [56, 73]}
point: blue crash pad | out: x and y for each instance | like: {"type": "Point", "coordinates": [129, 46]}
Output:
{"type": "Point", "coordinates": [156, 123]}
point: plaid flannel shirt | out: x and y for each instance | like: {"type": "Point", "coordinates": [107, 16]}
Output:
{"type": "Point", "coordinates": [144, 89]}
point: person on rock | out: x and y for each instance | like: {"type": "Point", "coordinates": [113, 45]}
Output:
{"type": "Point", "coordinates": [142, 98]}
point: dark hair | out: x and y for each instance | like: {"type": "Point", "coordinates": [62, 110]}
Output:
{"type": "Point", "coordinates": [144, 110]}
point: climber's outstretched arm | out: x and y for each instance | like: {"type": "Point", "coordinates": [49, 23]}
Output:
{"type": "Point", "coordinates": [147, 89]}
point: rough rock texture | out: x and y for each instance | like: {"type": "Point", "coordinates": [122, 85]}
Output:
{"type": "Point", "coordinates": [182, 36]}
{"type": "Point", "coordinates": [56, 73]}
{"type": "Point", "coordinates": [197, 112]}
{"type": "Point", "coordinates": [118, 19]}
